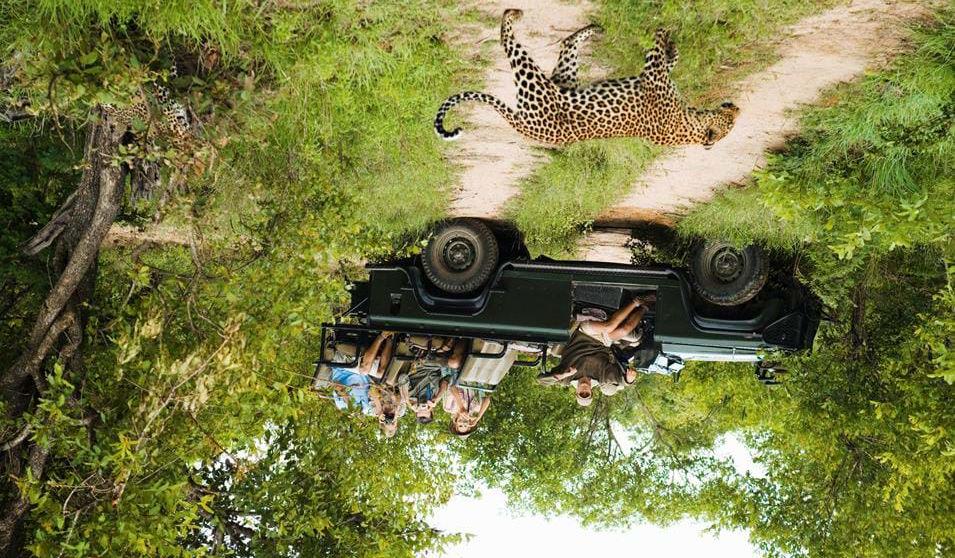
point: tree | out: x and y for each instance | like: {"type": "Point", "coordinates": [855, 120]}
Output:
{"type": "Point", "coordinates": [174, 358]}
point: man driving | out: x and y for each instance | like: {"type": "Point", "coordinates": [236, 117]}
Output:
{"type": "Point", "coordinates": [588, 361]}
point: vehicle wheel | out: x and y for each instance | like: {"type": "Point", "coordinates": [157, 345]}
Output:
{"type": "Point", "coordinates": [728, 276]}
{"type": "Point", "coordinates": [461, 256]}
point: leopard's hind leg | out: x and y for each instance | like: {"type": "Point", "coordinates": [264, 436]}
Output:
{"type": "Point", "coordinates": [534, 89]}
{"type": "Point", "coordinates": [568, 62]}
{"type": "Point", "coordinates": [661, 58]}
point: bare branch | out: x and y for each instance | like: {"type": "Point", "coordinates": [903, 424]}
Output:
{"type": "Point", "coordinates": [17, 440]}
{"type": "Point", "coordinates": [51, 231]}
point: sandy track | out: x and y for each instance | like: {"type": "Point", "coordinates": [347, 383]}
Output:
{"type": "Point", "coordinates": [493, 157]}
{"type": "Point", "coordinates": [121, 234]}
{"type": "Point", "coordinates": [821, 51]}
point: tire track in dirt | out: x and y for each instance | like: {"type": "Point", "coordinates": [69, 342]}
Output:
{"type": "Point", "coordinates": [494, 158]}
{"type": "Point", "coordinates": [821, 50]}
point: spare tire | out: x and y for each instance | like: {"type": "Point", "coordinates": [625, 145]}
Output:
{"type": "Point", "coordinates": [461, 256]}
{"type": "Point", "coordinates": [726, 275]}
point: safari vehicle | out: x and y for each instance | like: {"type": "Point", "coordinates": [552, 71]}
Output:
{"type": "Point", "coordinates": [475, 280]}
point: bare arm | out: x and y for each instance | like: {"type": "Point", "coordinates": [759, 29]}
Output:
{"type": "Point", "coordinates": [458, 396]}
{"type": "Point", "coordinates": [484, 405]}
{"type": "Point", "coordinates": [555, 377]}
{"type": "Point", "coordinates": [566, 373]}
{"type": "Point", "coordinates": [386, 355]}
{"type": "Point", "coordinates": [457, 356]}
{"type": "Point", "coordinates": [615, 319]}
{"type": "Point", "coordinates": [627, 326]}
{"type": "Point", "coordinates": [368, 359]}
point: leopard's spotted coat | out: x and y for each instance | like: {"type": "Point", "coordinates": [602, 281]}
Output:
{"type": "Point", "coordinates": [559, 111]}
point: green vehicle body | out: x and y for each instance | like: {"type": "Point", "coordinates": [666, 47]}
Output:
{"type": "Point", "coordinates": [532, 302]}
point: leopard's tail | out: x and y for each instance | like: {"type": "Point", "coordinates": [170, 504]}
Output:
{"type": "Point", "coordinates": [453, 100]}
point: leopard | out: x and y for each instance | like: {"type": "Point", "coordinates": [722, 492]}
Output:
{"type": "Point", "coordinates": [162, 115]}
{"type": "Point", "coordinates": [163, 132]}
{"type": "Point", "coordinates": [558, 110]}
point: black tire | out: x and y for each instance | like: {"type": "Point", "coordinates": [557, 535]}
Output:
{"type": "Point", "coordinates": [727, 276]}
{"type": "Point", "coordinates": [461, 256]}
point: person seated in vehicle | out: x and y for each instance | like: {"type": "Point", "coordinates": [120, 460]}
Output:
{"type": "Point", "coordinates": [588, 360]}
{"type": "Point", "coordinates": [427, 382]}
{"type": "Point", "coordinates": [354, 383]}
{"type": "Point", "coordinates": [350, 386]}
{"type": "Point", "coordinates": [466, 405]}
{"type": "Point", "coordinates": [388, 405]}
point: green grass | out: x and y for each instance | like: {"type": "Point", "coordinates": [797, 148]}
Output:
{"type": "Point", "coordinates": [739, 216]}
{"type": "Point", "coordinates": [579, 180]}
{"type": "Point", "coordinates": [719, 42]}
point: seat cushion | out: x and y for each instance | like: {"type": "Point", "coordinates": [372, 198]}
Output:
{"type": "Point", "coordinates": [483, 371]}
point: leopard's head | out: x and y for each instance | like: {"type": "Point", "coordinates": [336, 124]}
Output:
{"type": "Point", "coordinates": [717, 123]}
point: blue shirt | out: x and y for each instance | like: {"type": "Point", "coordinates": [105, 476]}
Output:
{"type": "Point", "coordinates": [358, 389]}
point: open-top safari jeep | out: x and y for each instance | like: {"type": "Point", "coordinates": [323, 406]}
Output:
{"type": "Point", "coordinates": [475, 280]}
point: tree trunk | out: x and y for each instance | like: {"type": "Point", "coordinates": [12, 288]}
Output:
{"type": "Point", "coordinates": [76, 232]}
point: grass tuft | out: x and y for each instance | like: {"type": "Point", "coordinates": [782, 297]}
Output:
{"type": "Point", "coordinates": [559, 200]}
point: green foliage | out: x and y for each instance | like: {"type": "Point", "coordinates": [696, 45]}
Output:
{"type": "Point", "coordinates": [198, 357]}
{"type": "Point", "coordinates": [740, 216]}
{"type": "Point", "coordinates": [875, 170]}
{"type": "Point", "coordinates": [639, 454]}
{"type": "Point", "coordinates": [36, 172]}
{"type": "Point", "coordinates": [857, 443]}
{"type": "Point", "coordinates": [860, 464]}
{"type": "Point", "coordinates": [363, 497]}
{"type": "Point", "coordinates": [871, 173]}
{"type": "Point", "coordinates": [195, 421]}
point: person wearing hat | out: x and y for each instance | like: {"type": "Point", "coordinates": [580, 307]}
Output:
{"type": "Point", "coordinates": [352, 385]}
{"type": "Point", "coordinates": [588, 361]}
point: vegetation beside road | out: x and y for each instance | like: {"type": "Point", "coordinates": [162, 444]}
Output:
{"type": "Point", "coordinates": [183, 423]}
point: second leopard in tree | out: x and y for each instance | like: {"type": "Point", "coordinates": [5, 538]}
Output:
{"type": "Point", "coordinates": [557, 110]}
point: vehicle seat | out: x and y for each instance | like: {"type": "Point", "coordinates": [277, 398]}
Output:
{"type": "Point", "coordinates": [344, 353]}
{"type": "Point", "coordinates": [485, 373]}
